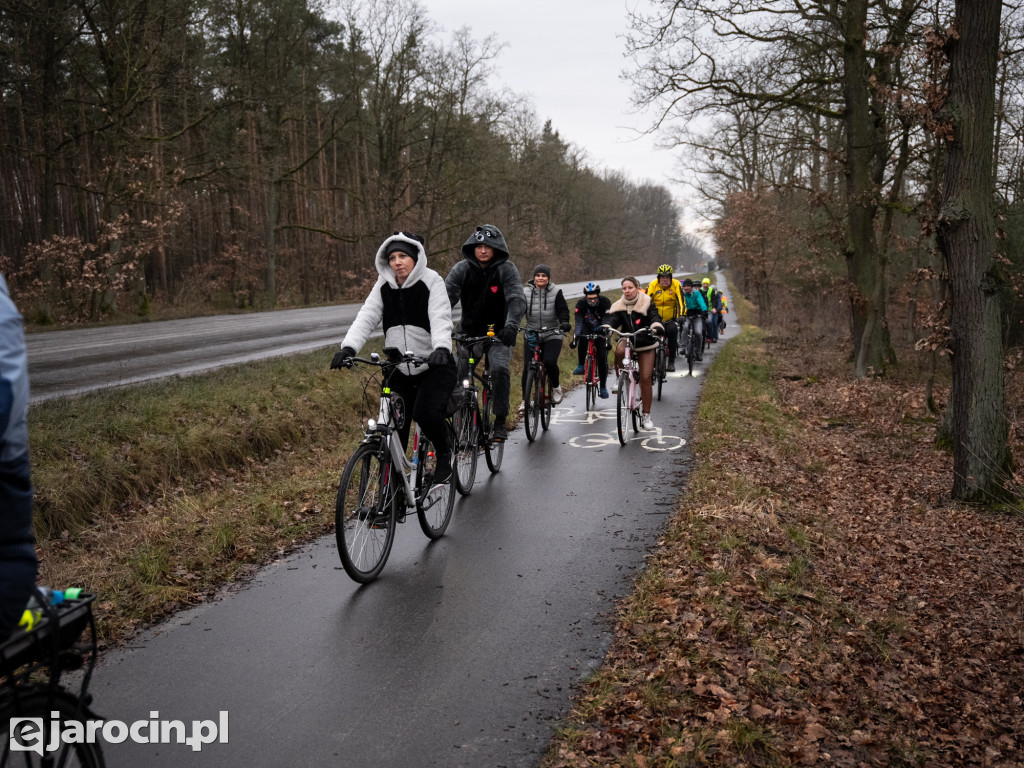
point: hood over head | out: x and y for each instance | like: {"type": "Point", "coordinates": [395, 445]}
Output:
{"type": "Point", "coordinates": [486, 234]}
{"type": "Point", "coordinates": [409, 244]}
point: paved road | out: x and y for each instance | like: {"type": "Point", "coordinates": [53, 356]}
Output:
{"type": "Point", "coordinates": [68, 363]}
{"type": "Point", "coordinates": [463, 653]}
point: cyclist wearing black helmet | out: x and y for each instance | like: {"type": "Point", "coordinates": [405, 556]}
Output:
{"type": "Point", "coordinates": [491, 292]}
{"type": "Point", "coordinates": [667, 295]}
{"type": "Point", "coordinates": [590, 314]}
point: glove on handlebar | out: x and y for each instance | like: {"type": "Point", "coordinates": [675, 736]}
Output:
{"type": "Point", "coordinates": [343, 359]}
{"type": "Point", "coordinates": [565, 327]}
{"type": "Point", "coordinates": [507, 335]}
{"type": "Point", "coordinates": [439, 357]}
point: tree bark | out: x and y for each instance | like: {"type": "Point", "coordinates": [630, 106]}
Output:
{"type": "Point", "coordinates": [967, 239]}
{"type": "Point", "coordinates": [872, 348]}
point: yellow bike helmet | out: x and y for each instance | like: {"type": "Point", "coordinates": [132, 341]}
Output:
{"type": "Point", "coordinates": [664, 269]}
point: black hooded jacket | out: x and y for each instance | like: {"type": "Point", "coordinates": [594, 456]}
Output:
{"type": "Point", "coordinates": [491, 294]}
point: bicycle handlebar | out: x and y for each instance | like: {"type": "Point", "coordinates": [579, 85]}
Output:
{"type": "Point", "coordinates": [407, 357]}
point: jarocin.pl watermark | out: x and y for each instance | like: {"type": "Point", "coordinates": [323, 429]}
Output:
{"type": "Point", "coordinates": [28, 733]}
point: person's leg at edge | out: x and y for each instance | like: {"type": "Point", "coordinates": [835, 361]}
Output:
{"type": "Point", "coordinates": [646, 361]}
{"type": "Point", "coordinates": [500, 356]}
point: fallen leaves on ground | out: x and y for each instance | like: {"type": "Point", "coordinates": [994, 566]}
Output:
{"type": "Point", "coordinates": [831, 606]}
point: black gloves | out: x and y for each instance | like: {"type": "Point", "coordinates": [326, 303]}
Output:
{"type": "Point", "coordinates": [439, 357]}
{"type": "Point", "coordinates": [574, 342]}
{"type": "Point", "coordinates": [507, 335]}
{"type": "Point", "coordinates": [565, 327]}
{"type": "Point", "coordinates": [658, 330]}
{"type": "Point", "coordinates": [343, 359]}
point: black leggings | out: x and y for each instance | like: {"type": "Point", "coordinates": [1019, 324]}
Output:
{"type": "Point", "coordinates": [549, 352]}
{"type": "Point", "coordinates": [426, 402]}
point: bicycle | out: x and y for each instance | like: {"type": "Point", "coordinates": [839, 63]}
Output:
{"type": "Point", "coordinates": [590, 373]}
{"type": "Point", "coordinates": [473, 422]}
{"type": "Point", "coordinates": [661, 363]}
{"type": "Point", "coordinates": [691, 343]}
{"type": "Point", "coordinates": [379, 484]}
{"type": "Point", "coordinates": [628, 403]}
{"type": "Point", "coordinates": [32, 698]}
{"type": "Point", "coordinates": [536, 397]}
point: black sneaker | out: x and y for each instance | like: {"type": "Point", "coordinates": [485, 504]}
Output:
{"type": "Point", "coordinates": [671, 366]}
{"type": "Point", "coordinates": [443, 469]}
{"type": "Point", "coordinates": [500, 431]}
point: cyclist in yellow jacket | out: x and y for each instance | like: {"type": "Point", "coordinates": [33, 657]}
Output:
{"type": "Point", "coordinates": [667, 296]}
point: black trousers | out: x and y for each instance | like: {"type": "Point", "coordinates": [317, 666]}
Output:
{"type": "Point", "coordinates": [426, 401]}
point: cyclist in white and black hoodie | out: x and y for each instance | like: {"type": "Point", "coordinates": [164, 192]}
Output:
{"type": "Point", "coordinates": [411, 303]}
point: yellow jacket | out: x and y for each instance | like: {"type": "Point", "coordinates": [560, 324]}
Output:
{"type": "Point", "coordinates": [668, 301]}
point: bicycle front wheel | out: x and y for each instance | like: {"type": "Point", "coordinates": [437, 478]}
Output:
{"type": "Point", "coordinates": [466, 451]}
{"type": "Point", "coordinates": [434, 503]}
{"type": "Point", "coordinates": [531, 404]}
{"type": "Point", "coordinates": [659, 369]}
{"type": "Point", "coordinates": [545, 401]}
{"type": "Point", "coordinates": [38, 703]}
{"type": "Point", "coordinates": [622, 407]}
{"type": "Point", "coordinates": [691, 353]}
{"type": "Point", "coordinates": [494, 450]}
{"type": "Point", "coordinates": [364, 513]}
{"type": "Point", "coordinates": [590, 377]}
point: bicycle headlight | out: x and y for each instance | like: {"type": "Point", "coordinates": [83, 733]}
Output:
{"type": "Point", "coordinates": [371, 424]}
{"type": "Point", "coordinates": [465, 383]}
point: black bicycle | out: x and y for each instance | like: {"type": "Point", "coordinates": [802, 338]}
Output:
{"type": "Point", "coordinates": [32, 699]}
{"type": "Point", "coordinates": [379, 484]}
{"type": "Point", "coordinates": [691, 342]}
{"type": "Point", "coordinates": [661, 363]}
{"type": "Point", "coordinates": [473, 421]}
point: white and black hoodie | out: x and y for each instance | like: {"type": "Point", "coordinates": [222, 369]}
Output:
{"type": "Point", "coordinates": [416, 317]}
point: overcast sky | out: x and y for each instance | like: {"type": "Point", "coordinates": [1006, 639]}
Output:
{"type": "Point", "coordinates": [567, 57]}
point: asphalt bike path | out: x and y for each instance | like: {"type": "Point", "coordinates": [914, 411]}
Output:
{"type": "Point", "coordinates": [463, 653]}
{"type": "Point", "coordinates": [71, 362]}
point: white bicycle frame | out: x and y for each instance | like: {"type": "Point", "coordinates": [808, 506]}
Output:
{"type": "Point", "coordinates": [630, 365]}
{"type": "Point", "coordinates": [399, 460]}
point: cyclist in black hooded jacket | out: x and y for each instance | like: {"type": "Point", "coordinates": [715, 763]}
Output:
{"type": "Point", "coordinates": [491, 292]}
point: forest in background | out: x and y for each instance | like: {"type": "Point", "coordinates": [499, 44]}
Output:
{"type": "Point", "coordinates": [207, 154]}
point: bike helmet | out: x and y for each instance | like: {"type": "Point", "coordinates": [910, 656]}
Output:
{"type": "Point", "coordinates": [664, 269]}
{"type": "Point", "coordinates": [591, 288]}
{"type": "Point", "coordinates": [706, 281]}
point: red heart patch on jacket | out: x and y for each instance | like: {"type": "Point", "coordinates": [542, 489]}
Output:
{"type": "Point", "coordinates": [638, 320]}
{"type": "Point", "coordinates": [494, 289]}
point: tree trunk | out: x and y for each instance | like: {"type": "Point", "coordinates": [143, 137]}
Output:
{"type": "Point", "coordinates": [966, 235]}
{"type": "Point", "coordinates": [872, 350]}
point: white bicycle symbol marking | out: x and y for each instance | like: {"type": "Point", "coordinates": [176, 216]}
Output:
{"type": "Point", "coordinates": [651, 442]}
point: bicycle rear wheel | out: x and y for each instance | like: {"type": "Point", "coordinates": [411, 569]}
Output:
{"type": "Point", "coordinates": [590, 377]}
{"type": "Point", "coordinates": [364, 512]}
{"type": "Point", "coordinates": [465, 450]}
{"type": "Point", "coordinates": [622, 407]}
{"type": "Point", "coordinates": [434, 503]}
{"type": "Point", "coordinates": [531, 400]}
{"type": "Point", "coordinates": [494, 450]}
{"type": "Point", "coordinates": [38, 703]}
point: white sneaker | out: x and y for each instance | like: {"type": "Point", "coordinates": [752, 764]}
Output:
{"type": "Point", "coordinates": [556, 395]}
{"type": "Point", "coordinates": [615, 389]}
{"type": "Point", "coordinates": [648, 424]}
{"type": "Point", "coordinates": [521, 408]}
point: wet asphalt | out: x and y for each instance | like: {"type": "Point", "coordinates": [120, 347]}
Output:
{"type": "Point", "coordinates": [464, 653]}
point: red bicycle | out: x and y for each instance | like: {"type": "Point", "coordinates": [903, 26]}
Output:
{"type": "Point", "coordinates": [536, 397]}
{"type": "Point", "coordinates": [590, 373]}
